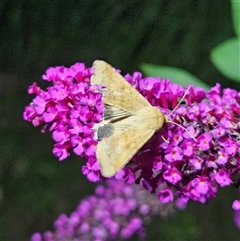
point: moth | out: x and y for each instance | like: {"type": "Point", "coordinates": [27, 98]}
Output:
{"type": "Point", "coordinates": [129, 120]}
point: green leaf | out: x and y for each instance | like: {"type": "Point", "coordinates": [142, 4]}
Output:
{"type": "Point", "coordinates": [178, 76]}
{"type": "Point", "coordinates": [236, 16]}
{"type": "Point", "coordinates": [226, 58]}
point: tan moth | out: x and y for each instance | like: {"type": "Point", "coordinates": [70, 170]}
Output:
{"type": "Point", "coordinates": [129, 120]}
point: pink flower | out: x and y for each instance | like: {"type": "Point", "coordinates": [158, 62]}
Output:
{"type": "Point", "coordinates": [174, 154]}
{"type": "Point", "coordinates": [190, 165]}
{"type": "Point", "coordinates": [116, 211]}
{"type": "Point", "coordinates": [172, 175]}
{"type": "Point", "coordinates": [222, 157]}
{"type": "Point", "coordinates": [205, 141]}
{"type": "Point", "coordinates": [201, 185]}
{"type": "Point", "coordinates": [223, 178]}
{"type": "Point", "coordinates": [165, 196]}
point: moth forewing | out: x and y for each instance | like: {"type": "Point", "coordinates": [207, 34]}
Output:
{"type": "Point", "coordinates": [118, 93]}
{"type": "Point", "coordinates": [121, 140]}
{"type": "Point", "coordinates": [115, 151]}
{"type": "Point", "coordinates": [111, 114]}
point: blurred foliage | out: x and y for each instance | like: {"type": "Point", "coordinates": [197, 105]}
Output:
{"type": "Point", "coordinates": [226, 58]}
{"type": "Point", "coordinates": [178, 76]}
{"type": "Point", "coordinates": [236, 16]}
{"type": "Point", "coordinates": [36, 188]}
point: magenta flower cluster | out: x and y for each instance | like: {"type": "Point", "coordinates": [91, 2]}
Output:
{"type": "Point", "coordinates": [173, 163]}
{"type": "Point", "coordinates": [68, 108]}
{"type": "Point", "coordinates": [116, 212]}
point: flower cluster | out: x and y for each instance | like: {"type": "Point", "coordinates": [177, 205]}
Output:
{"type": "Point", "coordinates": [68, 108]}
{"type": "Point", "coordinates": [188, 163]}
{"type": "Point", "coordinates": [116, 212]}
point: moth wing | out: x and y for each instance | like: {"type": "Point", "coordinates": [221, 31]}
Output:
{"type": "Point", "coordinates": [113, 113]}
{"type": "Point", "coordinates": [118, 92]}
{"type": "Point", "coordinates": [115, 151]}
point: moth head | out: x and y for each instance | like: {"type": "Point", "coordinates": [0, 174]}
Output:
{"type": "Point", "coordinates": [159, 119]}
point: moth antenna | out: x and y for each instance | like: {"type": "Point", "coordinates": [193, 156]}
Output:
{"type": "Point", "coordinates": [175, 109]}
{"type": "Point", "coordinates": [165, 139]}
{"type": "Point", "coordinates": [146, 150]}
{"type": "Point", "coordinates": [183, 129]}
{"type": "Point", "coordinates": [179, 101]}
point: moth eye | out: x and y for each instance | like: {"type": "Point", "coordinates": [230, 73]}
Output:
{"type": "Point", "coordinates": [103, 90]}
{"type": "Point", "coordinates": [104, 131]}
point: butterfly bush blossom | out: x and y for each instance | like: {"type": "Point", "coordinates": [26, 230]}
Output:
{"type": "Point", "coordinates": [117, 211]}
{"type": "Point", "coordinates": [176, 163]}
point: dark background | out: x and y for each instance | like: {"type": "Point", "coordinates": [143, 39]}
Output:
{"type": "Point", "coordinates": [36, 187]}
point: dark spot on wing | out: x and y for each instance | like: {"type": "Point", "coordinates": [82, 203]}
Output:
{"type": "Point", "coordinates": [104, 131]}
